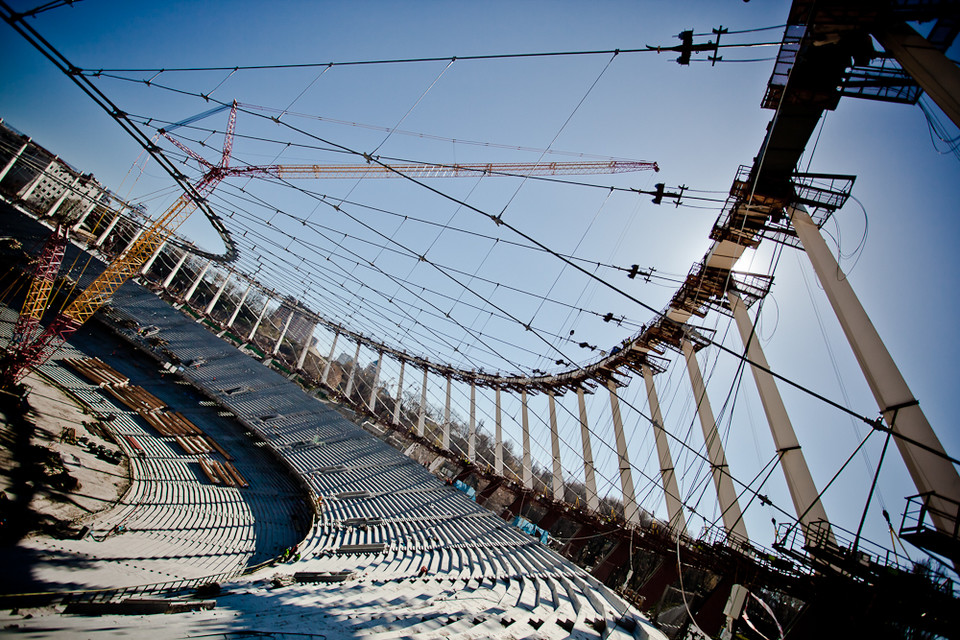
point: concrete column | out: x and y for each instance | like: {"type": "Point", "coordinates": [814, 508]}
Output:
{"type": "Point", "coordinates": [216, 297]}
{"type": "Point", "coordinates": [153, 257]}
{"type": "Point", "coordinates": [667, 474]}
{"type": "Point", "coordinates": [326, 368]}
{"type": "Point", "coordinates": [396, 407]}
{"type": "Point", "coordinates": [803, 490]}
{"type": "Point", "coordinates": [283, 334]}
{"type": "Point", "coordinates": [86, 212]}
{"type": "Point", "coordinates": [557, 483]}
{"type": "Point", "coordinates": [36, 181]}
{"type": "Point", "coordinates": [423, 404]}
{"type": "Point", "coordinates": [133, 241]}
{"type": "Point", "coordinates": [376, 380]}
{"type": "Point", "coordinates": [175, 270]}
{"type": "Point", "coordinates": [527, 462]}
{"type": "Point", "coordinates": [196, 281]}
{"type": "Point", "coordinates": [898, 406]}
{"type": "Point", "coordinates": [256, 325]}
{"type": "Point", "coordinates": [472, 433]}
{"type": "Point", "coordinates": [630, 510]}
{"type": "Point", "coordinates": [589, 476]}
{"type": "Point", "coordinates": [936, 74]}
{"type": "Point", "coordinates": [498, 438]}
{"type": "Point", "coordinates": [446, 418]}
{"type": "Point", "coordinates": [243, 298]}
{"type": "Point", "coordinates": [107, 231]}
{"type": "Point", "coordinates": [63, 196]}
{"type": "Point", "coordinates": [306, 348]}
{"type": "Point", "coordinates": [722, 481]}
{"type": "Point", "coordinates": [93, 194]}
{"type": "Point", "coordinates": [353, 371]}
{"type": "Point", "coordinates": [13, 160]}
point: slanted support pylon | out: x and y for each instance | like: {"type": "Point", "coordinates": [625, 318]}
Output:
{"type": "Point", "coordinates": [372, 403]}
{"type": "Point", "coordinates": [631, 512]}
{"type": "Point", "coordinates": [216, 296]}
{"type": "Point", "coordinates": [196, 281]}
{"type": "Point", "coordinates": [31, 187]}
{"type": "Point", "coordinates": [472, 433]}
{"type": "Point", "coordinates": [803, 490]}
{"type": "Point", "coordinates": [589, 476]}
{"type": "Point", "coordinates": [527, 477]}
{"type": "Point", "coordinates": [256, 325]}
{"type": "Point", "coordinates": [63, 196]}
{"type": "Point", "coordinates": [236, 311]}
{"type": "Point", "coordinates": [307, 343]}
{"type": "Point", "coordinates": [396, 407]}
{"type": "Point", "coordinates": [422, 418]}
{"type": "Point", "coordinates": [498, 435]}
{"type": "Point", "coordinates": [722, 480]}
{"type": "Point", "coordinates": [107, 231]}
{"type": "Point", "coordinates": [173, 272]}
{"type": "Point", "coordinates": [901, 411]}
{"type": "Point", "coordinates": [936, 74]}
{"type": "Point", "coordinates": [667, 474]}
{"type": "Point", "coordinates": [353, 372]}
{"type": "Point", "coordinates": [13, 160]}
{"type": "Point", "coordinates": [557, 483]}
{"type": "Point", "coordinates": [153, 257]}
{"type": "Point", "coordinates": [446, 418]}
{"type": "Point", "coordinates": [283, 334]}
{"type": "Point", "coordinates": [326, 367]}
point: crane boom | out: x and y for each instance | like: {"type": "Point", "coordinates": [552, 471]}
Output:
{"type": "Point", "coordinates": [26, 354]}
{"type": "Point", "coordinates": [422, 170]}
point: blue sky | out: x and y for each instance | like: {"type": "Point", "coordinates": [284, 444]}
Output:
{"type": "Point", "coordinates": [699, 122]}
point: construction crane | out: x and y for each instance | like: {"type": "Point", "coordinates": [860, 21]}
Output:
{"type": "Point", "coordinates": [23, 354]}
{"type": "Point", "coordinates": [44, 273]}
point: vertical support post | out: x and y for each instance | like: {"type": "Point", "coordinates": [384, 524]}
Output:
{"type": "Point", "coordinates": [243, 298]}
{"type": "Point", "coordinates": [589, 475]}
{"type": "Point", "coordinates": [133, 241]}
{"type": "Point", "coordinates": [62, 197]}
{"type": "Point", "coordinates": [498, 438]}
{"type": "Point", "coordinates": [106, 232]}
{"type": "Point", "coordinates": [13, 160]}
{"type": "Point", "coordinates": [722, 480]}
{"type": "Point", "coordinates": [197, 281]}
{"type": "Point", "coordinates": [557, 480]}
{"type": "Point", "coordinates": [216, 297]}
{"type": "Point", "coordinates": [472, 433]}
{"type": "Point", "coordinates": [936, 74]}
{"type": "Point", "coordinates": [446, 419]}
{"type": "Point", "coordinates": [36, 181]}
{"type": "Point", "coordinates": [901, 411]}
{"type": "Point", "coordinates": [421, 419]}
{"type": "Point", "coordinates": [667, 474]}
{"type": "Point", "coordinates": [326, 367]}
{"type": "Point", "coordinates": [153, 257]}
{"type": "Point", "coordinates": [396, 407]}
{"type": "Point", "coordinates": [372, 403]}
{"type": "Point", "coordinates": [803, 490]}
{"type": "Point", "coordinates": [631, 512]}
{"type": "Point", "coordinates": [527, 462]}
{"type": "Point", "coordinates": [283, 334]}
{"type": "Point", "coordinates": [256, 325]}
{"type": "Point", "coordinates": [306, 347]}
{"type": "Point", "coordinates": [86, 212]}
{"type": "Point", "coordinates": [353, 371]}
{"type": "Point", "coordinates": [176, 269]}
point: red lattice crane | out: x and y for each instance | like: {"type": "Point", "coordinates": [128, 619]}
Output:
{"type": "Point", "coordinates": [25, 354]}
